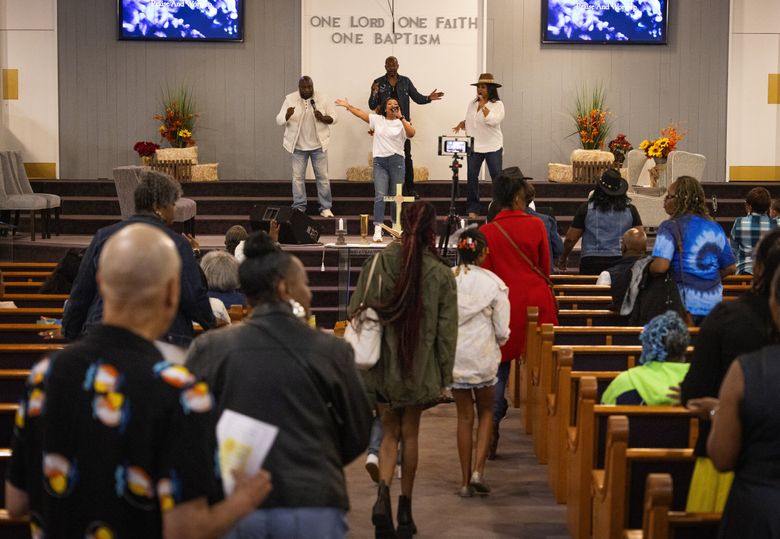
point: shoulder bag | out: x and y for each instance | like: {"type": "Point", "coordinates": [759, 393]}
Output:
{"type": "Point", "coordinates": [364, 330]}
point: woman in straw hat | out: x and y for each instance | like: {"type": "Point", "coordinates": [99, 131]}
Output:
{"type": "Point", "coordinates": [483, 122]}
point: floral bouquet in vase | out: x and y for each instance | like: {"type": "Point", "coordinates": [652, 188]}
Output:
{"type": "Point", "coordinates": [620, 146]}
{"type": "Point", "coordinates": [661, 147]}
{"type": "Point", "coordinates": [177, 121]}
{"type": "Point", "coordinates": [145, 150]}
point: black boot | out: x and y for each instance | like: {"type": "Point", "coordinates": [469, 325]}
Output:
{"type": "Point", "coordinates": [406, 526]}
{"type": "Point", "coordinates": [382, 514]}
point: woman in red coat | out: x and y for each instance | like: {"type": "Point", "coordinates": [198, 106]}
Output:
{"type": "Point", "coordinates": [527, 286]}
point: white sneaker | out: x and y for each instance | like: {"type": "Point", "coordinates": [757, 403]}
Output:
{"type": "Point", "coordinates": [372, 467]}
{"type": "Point", "coordinates": [377, 233]}
{"type": "Point", "coordinates": [326, 213]}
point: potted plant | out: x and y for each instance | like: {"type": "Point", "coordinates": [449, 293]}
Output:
{"type": "Point", "coordinates": [659, 150]}
{"type": "Point", "coordinates": [591, 117]}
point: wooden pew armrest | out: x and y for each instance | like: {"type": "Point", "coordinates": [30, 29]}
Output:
{"type": "Point", "coordinates": [551, 400]}
{"type": "Point", "coordinates": [597, 479]}
{"type": "Point", "coordinates": [633, 534]}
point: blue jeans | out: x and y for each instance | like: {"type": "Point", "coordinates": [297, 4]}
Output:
{"type": "Point", "coordinates": [501, 405]}
{"type": "Point", "coordinates": [319, 162]}
{"type": "Point", "coordinates": [388, 171]}
{"type": "Point", "coordinates": [474, 163]}
{"type": "Point", "coordinates": [291, 523]}
{"type": "Point", "coordinates": [375, 439]}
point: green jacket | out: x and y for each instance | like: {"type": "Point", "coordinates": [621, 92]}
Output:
{"type": "Point", "coordinates": [438, 335]}
{"type": "Point", "coordinates": [646, 384]}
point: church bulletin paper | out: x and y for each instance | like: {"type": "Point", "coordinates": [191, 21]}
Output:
{"type": "Point", "coordinates": [243, 443]}
{"type": "Point", "coordinates": [439, 45]}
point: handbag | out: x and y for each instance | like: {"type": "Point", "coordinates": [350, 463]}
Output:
{"type": "Point", "coordinates": [533, 266]}
{"type": "Point", "coordinates": [364, 330]}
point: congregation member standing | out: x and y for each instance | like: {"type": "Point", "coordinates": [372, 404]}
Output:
{"type": "Point", "coordinates": [110, 440]}
{"type": "Point", "coordinates": [398, 87]}
{"type": "Point", "coordinates": [519, 255]}
{"type": "Point", "coordinates": [483, 327]}
{"type": "Point", "coordinates": [307, 116]}
{"type": "Point", "coordinates": [693, 247]}
{"type": "Point", "coordinates": [483, 122]}
{"type": "Point", "coordinates": [550, 223]}
{"type": "Point", "coordinates": [155, 202]}
{"type": "Point", "coordinates": [391, 128]}
{"type": "Point", "coordinates": [745, 437]}
{"type": "Point", "coordinates": [416, 300]}
{"type": "Point", "coordinates": [274, 368]}
{"type": "Point", "coordinates": [747, 230]}
{"type": "Point", "coordinates": [731, 329]}
{"type": "Point", "coordinates": [601, 222]}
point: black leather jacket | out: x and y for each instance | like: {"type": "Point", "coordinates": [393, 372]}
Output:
{"type": "Point", "coordinates": [251, 369]}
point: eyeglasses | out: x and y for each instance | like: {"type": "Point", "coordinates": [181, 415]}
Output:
{"type": "Point", "coordinates": [670, 197]}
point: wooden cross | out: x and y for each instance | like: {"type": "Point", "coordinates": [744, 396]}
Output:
{"type": "Point", "coordinates": [399, 199]}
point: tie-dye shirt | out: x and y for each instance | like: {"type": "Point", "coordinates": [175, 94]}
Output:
{"type": "Point", "coordinates": [706, 251]}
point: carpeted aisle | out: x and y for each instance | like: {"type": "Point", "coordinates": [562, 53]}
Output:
{"type": "Point", "coordinates": [521, 504]}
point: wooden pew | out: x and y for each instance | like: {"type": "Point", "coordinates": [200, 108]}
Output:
{"type": "Point", "coordinates": [618, 488]}
{"type": "Point", "coordinates": [25, 276]}
{"type": "Point", "coordinates": [585, 358]}
{"type": "Point", "coordinates": [27, 266]}
{"type": "Point", "coordinates": [28, 315]}
{"type": "Point", "coordinates": [12, 384]}
{"type": "Point", "coordinates": [590, 317]}
{"type": "Point", "coordinates": [654, 426]}
{"type": "Point", "coordinates": [36, 301]}
{"type": "Point", "coordinates": [19, 287]}
{"type": "Point", "coordinates": [603, 335]}
{"type": "Point", "coordinates": [659, 521]}
{"type": "Point", "coordinates": [24, 356]}
{"type": "Point", "coordinates": [560, 412]}
{"type": "Point", "coordinates": [27, 333]}
{"type": "Point", "coordinates": [729, 290]}
{"type": "Point", "coordinates": [575, 278]}
{"type": "Point", "coordinates": [528, 363]}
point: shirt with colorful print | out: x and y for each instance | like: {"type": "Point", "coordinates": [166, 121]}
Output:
{"type": "Point", "coordinates": [108, 436]}
{"type": "Point", "coordinates": [706, 251]}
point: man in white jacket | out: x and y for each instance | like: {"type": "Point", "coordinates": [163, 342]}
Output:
{"type": "Point", "coordinates": [307, 117]}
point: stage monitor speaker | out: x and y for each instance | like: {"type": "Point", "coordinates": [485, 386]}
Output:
{"type": "Point", "coordinates": [294, 226]}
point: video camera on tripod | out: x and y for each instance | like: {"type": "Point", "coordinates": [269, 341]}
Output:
{"type": "Point", "coordinates": [457, 147]}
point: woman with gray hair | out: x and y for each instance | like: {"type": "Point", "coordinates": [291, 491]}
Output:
{"type": "Point", "coordinates": [155, 199]}
{"type": "Point", "coordinates": [221, 271]}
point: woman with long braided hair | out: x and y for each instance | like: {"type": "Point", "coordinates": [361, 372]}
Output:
{"type": "Point", "coordinates": [415, 296]}
{"type": "Point", "coordinates": [693, 247]}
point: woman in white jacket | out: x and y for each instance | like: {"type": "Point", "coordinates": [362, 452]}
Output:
{"type": "Point", "coordinates": [483, 326]}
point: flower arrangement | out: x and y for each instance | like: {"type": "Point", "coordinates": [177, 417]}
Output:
{"type": "Point", "coordinates": [620, 146]}
{"type": "Point", "coordinates": [145, 148]}
{"type": "Point", "coordinates": [177, 122]}
{"type": "Point", "coordinates": [591, 117]}
{"type": "Point", "coordinates": [664, 145]}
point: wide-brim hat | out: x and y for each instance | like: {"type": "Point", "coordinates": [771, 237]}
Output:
{"type": "Point", "coordinates": [612, 183]}
{"type": "Point", "coordinates": [514, 172]}
{"type": "Point", "coordinates": [487, 78]}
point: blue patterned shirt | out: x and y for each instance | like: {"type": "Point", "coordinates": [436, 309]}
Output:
{"type": "Point", "coordinates": [744, 238]}
{"type": "Point", "coordinates": [706, 251]}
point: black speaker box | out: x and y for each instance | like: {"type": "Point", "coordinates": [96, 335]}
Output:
{"type": "Point", "coordinates": [294, 226]}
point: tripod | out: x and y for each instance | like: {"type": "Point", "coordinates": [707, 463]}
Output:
{"type": "Point", "coordinates": [452, 215]}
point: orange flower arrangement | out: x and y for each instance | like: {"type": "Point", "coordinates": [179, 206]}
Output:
{"type": "Point", "coordinates": [591, 117]}
{"type": "Point", "coordinates": [177, 121]}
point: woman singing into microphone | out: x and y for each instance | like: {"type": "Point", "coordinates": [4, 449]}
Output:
{"type": "Point", "coordinates": [391, 129]}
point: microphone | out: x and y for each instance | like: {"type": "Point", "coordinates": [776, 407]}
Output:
{"type": "Point", "coordinates": [312, 104]}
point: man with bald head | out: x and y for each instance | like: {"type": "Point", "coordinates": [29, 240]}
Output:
{"type": "Point", "coordinates": [110, 440]}
{"type": "Point", "coordinates": [633, 247]}
{"type": "Point", "coordinates": [400, 88]}
{"type": "Point", "coordinates": [307, 116]}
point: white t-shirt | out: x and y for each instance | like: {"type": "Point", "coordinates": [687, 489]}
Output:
{"type": "Point", "coordinates": [389, 136]}
{"type": "Point", "coordinates": [486, 130]}
{"type": "Point", "coordinates": [307, 138]}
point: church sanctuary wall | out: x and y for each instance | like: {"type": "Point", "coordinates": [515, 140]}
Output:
{"type": "Point", "coordinates": [648, 86]}
{"type": "Point", "coordinates": [754, 91]}
{"type": "Point", "coordinates": [28, 71]}
{"type": "Point", "coordinates": [110, 89]}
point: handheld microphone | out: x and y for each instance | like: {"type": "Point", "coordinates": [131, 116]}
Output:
{"type": "Point", "coordinates": [312, 104]}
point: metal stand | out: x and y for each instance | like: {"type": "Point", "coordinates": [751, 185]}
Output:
{"type": "Point", "coordinates": [452, 215]}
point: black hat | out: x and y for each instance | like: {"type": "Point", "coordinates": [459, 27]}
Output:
{"type": "Point", "coordinates": [514, 173]}
{"type": "Point", "coordinates": [612, 183]}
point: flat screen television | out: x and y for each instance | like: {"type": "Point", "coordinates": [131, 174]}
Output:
{"type": "Point", "coordinates": [181, 20]}
{"type": "Point", "coordinates": [610, 22]}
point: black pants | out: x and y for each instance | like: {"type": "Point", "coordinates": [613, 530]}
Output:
{"type": "Point", "coordinates": [409, 173]}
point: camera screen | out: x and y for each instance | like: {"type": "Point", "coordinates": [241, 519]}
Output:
{"type": "Point", "coordinates": [455, 146]}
